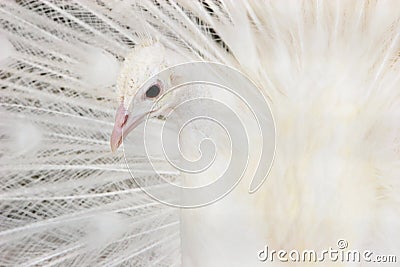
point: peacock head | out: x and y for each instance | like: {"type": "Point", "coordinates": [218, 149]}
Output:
{"type": "Point", "coordinates": [140, 89]}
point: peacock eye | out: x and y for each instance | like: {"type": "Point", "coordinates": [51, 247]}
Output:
{"type": "Point", "coordinates": [153, 91]}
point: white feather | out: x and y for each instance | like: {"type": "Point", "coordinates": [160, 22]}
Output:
{"type": "Point", "coordinates": [7, 49]}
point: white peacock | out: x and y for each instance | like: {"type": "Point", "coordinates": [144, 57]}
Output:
{"type": "Point", "coordinates": [329, 70]}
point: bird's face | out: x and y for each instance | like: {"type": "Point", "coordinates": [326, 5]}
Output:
{"type": "Point", "coordinates": [139, 101]}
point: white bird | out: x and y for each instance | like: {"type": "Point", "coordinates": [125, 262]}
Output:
{"type": "Point", "coordinates": [329, 70]}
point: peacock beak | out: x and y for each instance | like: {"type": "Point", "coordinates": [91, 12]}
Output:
{"type": "Point", "coordinates": [124, 124]}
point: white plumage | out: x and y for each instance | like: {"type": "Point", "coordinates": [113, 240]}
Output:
{"type": "Point", "coordinates": [330, 70]}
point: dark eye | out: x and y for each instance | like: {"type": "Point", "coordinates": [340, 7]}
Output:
{"type": "Point", "coordinates": [153, 91]}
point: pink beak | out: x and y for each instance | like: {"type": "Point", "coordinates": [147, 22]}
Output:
{"type": "Point", "coordinates": [124, 124]}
